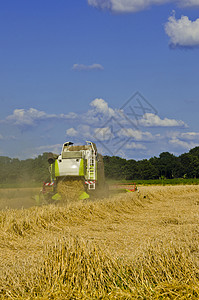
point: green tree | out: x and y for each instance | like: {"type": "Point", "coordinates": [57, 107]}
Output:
{"type": "Point", "coordinates": [146, 170]}
{"type": "Point", "coordinates": [167, 164]}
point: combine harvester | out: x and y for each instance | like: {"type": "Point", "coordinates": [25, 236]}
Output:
{"type": "Point", "coordinates": [77, 172]}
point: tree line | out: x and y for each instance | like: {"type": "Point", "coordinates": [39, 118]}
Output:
{"type": "Point", "coordinates": [13, 170]}
{"type": "Point", "coordinates": [167, 165]}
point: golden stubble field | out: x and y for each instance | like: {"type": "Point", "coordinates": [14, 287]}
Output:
{"type": "Point", "coordinates": [140, 245]}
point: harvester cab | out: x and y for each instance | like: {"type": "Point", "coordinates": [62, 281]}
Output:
{"type": "Point", "coordinates": [80, 166]}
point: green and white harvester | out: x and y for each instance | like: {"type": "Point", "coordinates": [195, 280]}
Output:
{"type": "Point", "coordinates": [75, 163]}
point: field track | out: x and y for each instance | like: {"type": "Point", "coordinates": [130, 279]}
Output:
{"type": "Point", "coordinates": [150, 238]}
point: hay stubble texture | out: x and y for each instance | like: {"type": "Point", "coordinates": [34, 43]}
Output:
{"type": "Point", "coordinates": [130, 246]}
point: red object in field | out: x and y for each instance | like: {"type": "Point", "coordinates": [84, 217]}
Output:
{"type": "Point", "coordinates": [129, 187]}
{"type": "Point", "coordinates": [134, 188]}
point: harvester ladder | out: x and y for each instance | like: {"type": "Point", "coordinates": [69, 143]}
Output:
{"type": "Point", "coordinates": [91, 169]}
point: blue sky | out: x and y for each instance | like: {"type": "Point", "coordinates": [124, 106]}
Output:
{"type": "Point", "coordinates": [67, 68]}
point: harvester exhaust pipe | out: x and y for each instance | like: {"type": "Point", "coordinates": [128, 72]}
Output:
{"type": "Point", "coordinates": [52, 157]}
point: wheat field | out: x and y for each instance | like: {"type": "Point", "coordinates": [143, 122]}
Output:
{"type": "Point", "coordinates": [139, 245]}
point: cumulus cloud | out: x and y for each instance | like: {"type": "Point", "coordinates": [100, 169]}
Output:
{"type": "Point", "coordinates": [132, 6]}
{"type": "Point", "coordinates": [185, 140]}
{"type": "Point", "coordinates": [190, 135]}
{"type": "Point", "coordinates": [1, 137]}
{"type": "Point", "coordinates": [82, 67]}
{"type": "Point", "coordinates": [85, 131]}
{"type": "Point", "coordinates": [188, 3]}
{"type": "Point", "coordinates": [105, 124]}
{"type": "Point", "coordinates": [184, 136]}
{"type": "Point", "coordinates": [103, 134]}
{"type": "Point", "coordinates": [101, 123]}
{"type": "Point", "coordinates": [29, 117]}
{"type": "Point", "coordinates": [182, 144]}
{"type": "Point", "coordinates": [183, 32]}
{"type": "Point", "coordinates": [136, 146]}
{"type": "Point", "coordinates": [99, 113]}
{"type": "Point", "coordinates": [152, 120]}
{"type": "Point", "coordinates": [125, 6]}
{"type": "Point", "coordinates": [101, 106]}
{"type": "Point", "coordinates": [82, 131]}
{"type": "Point", "coordinates": [70, 115]}
{"type": "Point", "coordinates": [26, 117]}
{"type": "Point", "coordinates": [137, 135]}
{"type": "Point", "coordinates": [71, 132]}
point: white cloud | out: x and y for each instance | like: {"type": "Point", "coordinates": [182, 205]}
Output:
{"type": "Point", "coordinates": [81, 131]}
{"type": "Point", "coordinates": [99, 113]}
{"type": "Point", "coordinates": [185, 136]}
{"type": "Point", "coordinates": [29, 117]}
{"type": "Point", "coordinates": [98, 123]}
{"type": "Point", "coordinates": [1, 137]}
{"type": "Point", "coordinates": [101, 106]}
{"type": "Point", "coordinates": [183, 32]}
{"type": "Point", "coordinates": [136, 146]}
{"type": "Point", "coordinates": [71, 132]}
{"type": "Point", "coordinates": [131, 6]}
{"type": "Point", "coordinates": [137, 135]}
{"type": "Point", "coordinates": [70, 115]}
{"type": "Point", "coordinates": [82, 67]}
{"type": "Point", "coordinates": [103, 134]}
{"type": "Point", "coordinates": [190, 135]}
{"type": "Point", "coordinates": [26, 117]}
{"type": "Point", "coordinates": [182, 144]}
{"type": "Point", "coordinates": [125, 6]}
{"type": "Point", "coordinates": [103, 4]}
{"type": "Point", "coordinates": [188, 3]}
{"type": "Point", "coordinates": [85, 131]}
{"type": "Point", "coordinates": [152, 120]}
